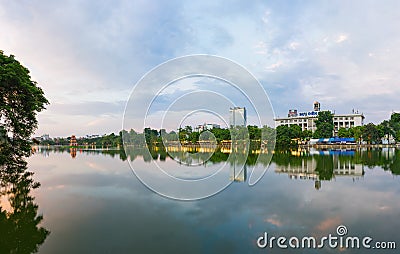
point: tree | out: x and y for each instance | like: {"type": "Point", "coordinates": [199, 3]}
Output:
{"type": "Point", "coordinates": [194, 137]}
{"type": "Point", "coordinates": [254, 132]}
{"type": "Point", "coordinates": [386, 129]}
{"type": "Point", "coordinates": [306, 134]}
{"type": "Point", "coordinates": [394, 124]}
{"type": "Point", "coordinates": [295, 131]}
{"type": "Point", "coordinates": [221, 134]}
{"type": "Point", "coordinates": [324, 125]}
{"type": "Point", "coordinates": [371, 133]}
{"type": "Point", "coordinates": [283, 136]}
{"type": "Point", "coordinates": [21, 100]}
{"type": "Point", "coordinates": [268, 134]}
{"type": "Point", "coordinates": [150, 135]}
{"type": "Point", "coordinates": [357, 133]}
{"type": "Point", "coordinates": [344, 133]}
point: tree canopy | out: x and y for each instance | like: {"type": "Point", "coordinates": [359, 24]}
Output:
{"type": "Point", "coordinates": [21, 100]}
{"type": "Point", "coordinates": [324, 125]}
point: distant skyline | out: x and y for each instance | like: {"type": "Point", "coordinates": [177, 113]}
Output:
{"type": "Point", "coordinates": [87, 55]}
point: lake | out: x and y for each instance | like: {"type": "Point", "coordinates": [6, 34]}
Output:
{"type": "Point", "coordinates": [92, 202]}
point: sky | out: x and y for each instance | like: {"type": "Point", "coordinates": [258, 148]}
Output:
{"type": "Point", "coordinates": [88, 55]}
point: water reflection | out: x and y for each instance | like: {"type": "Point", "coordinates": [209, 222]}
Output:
{"type": "Point", "coordinates": [319, 165]}
{"type": "Point", "coordinates": [20, 228]}
{"type": "Point", "coordinates": [99, 184]}
{"type": "Point", "coordinates": [311, 164]}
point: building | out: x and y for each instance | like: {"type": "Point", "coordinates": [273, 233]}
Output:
{"type": "Point", "coordinates": [92, 136]}
{"type": "Point", "coordinates": [237, 117]}
{"type": "Point", "coordinates": [206, 126]}
{"type": "Point", "coordinates": [73, 141]}
{"type": "Point", "coordinates": [306, 120]}
{"type": "Point", "coordinates": [45, 137]}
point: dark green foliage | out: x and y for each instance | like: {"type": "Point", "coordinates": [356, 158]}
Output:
{"type": "Point", "coordinates": [221, 134]}
{"type": "Point", "coordinates": [371, 134]}
{"type": "Point", "coordinates": [306, 135]}
{"type": "Point", "coordinates": [344, 133]}
{"type": "Point", "coordinates": [324, 125]}
{"type": "Point", "coordinates": [19, 226]}
{"type": "Point", "coordinates": [283, 136]}
{"type": "Point", "coordinates": [21, 100]}
{"type": "Point", "coordinates": [324, 167]}
{"type": "Point", "coordinates": [287, 136]}
{"type": "Point", "coordinates": [394, 124]}
{"type": "Point", "coordinates": [254, 132]}
{"type": "Point", "coordinates": [295, 131]}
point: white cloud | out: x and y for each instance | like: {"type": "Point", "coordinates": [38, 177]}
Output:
{"type": "Point", "coordinates": [341, 38]}
{"type": "Point", "coordinates": [82, 52]}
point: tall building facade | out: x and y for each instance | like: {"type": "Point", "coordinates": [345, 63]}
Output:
{"type": "Point", "coordinates": [237, 117]}
{"type": "Point", "coordinates": [306, 120]}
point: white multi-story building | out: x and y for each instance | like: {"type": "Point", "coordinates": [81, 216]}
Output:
{"type": "Point", "coordinates": [306, 120]}
{"type": "Point", "coordinates": [237, 117]}
{"type": "Point", "coordinates": [45, 137]}
{"type": "Point", "coordinates": [206, 126]}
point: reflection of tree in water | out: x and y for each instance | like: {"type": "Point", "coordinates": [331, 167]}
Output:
{"type": "Point", "coordinates": [285, 158]}
{"type": "Point", "coordinates": [324, 167]}
{"type": "Point", "coordinates": [391, 161]}
{"type": "Point", "coordinates": [21, 99]}
{"type": "Point", "coordinates": [19, 221]}
{"type": "Point", "coordinates": [217, 156]}
{"type": "Point", "coordinates": [394, 166]}
{"type": "Point", "coordinates": [388, 159]}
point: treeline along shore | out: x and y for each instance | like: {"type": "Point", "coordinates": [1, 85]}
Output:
{"type": "Point", "coordinates": [387, 133]}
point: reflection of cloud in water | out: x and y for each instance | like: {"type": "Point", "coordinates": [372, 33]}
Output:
{"type": "Point", "coordinates": [329, 224]}
{"type": "Point", "coordinates": [229, 221]}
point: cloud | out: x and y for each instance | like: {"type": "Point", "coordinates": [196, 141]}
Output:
{"type": "Point", "coordinates": [96, 51]}
{"type": "Point", "coordinates": [341, 38]}
{"type": "Point", "coordinates": [88, 108]}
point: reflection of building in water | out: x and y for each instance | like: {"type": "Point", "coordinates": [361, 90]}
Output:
{"type": "Point", "coordinates": [238, 173]}
{"type": "Point", "coordinates": [307, 170]}
{"type": "Point", "coordinates": [44, 152]}
{"type": "Point", "coordinates": [72, 151]}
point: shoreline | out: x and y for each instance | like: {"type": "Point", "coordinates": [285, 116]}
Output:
{"type": "Point", "coordinates": [351, 146]}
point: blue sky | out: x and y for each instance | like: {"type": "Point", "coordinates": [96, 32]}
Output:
{"type": "Point", "coordinates": [88, 55]}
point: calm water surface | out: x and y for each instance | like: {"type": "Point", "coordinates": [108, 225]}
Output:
{"type": "Point", "coordinates": [93, 203]}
